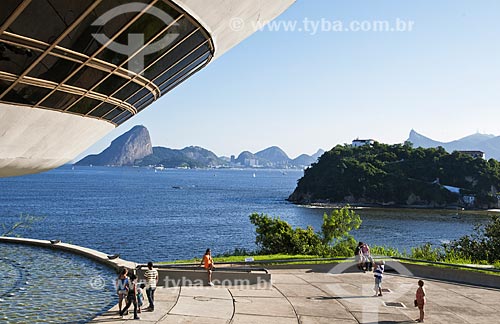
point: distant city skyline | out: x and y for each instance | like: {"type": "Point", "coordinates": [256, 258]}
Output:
{"type": "Point", "coordinates": [319, 85]}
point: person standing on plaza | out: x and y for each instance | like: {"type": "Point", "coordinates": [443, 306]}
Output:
{"type": "Point", "coordinates": [420, 300]}
{"type": "Point", "coordinates": [208, 264]}
{"type": "Point", "coordinates": [358, 255]}
{"type": "Point", "coordinates": [122, 287]}
{"type": "Point", "coordinates": [367, 258]}
{"type": "Point", "coordinates": [151, 276]}
{"type": "Point", "coordinates": [378, 273]}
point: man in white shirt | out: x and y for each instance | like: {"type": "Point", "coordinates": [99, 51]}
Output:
{"type": "Point", "coordinates": [151, 276]}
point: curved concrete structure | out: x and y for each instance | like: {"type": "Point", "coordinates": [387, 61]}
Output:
{"type": "Point", "coordinates": [88, 66]}
{"type": "Point", "coordinates": [86, 252]}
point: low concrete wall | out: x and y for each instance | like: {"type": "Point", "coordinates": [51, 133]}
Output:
{"type": "Point", "coordinates": [199, 277]}
{"type": "Point", "coordinates": [467, 277]}
{"type": "Point", "coordinates": [455, 275]}
{"type": "Point", "coordinates": [86, 252]}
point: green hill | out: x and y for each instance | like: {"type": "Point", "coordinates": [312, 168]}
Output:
{"type": "Point", "coordinates": [399, 175]}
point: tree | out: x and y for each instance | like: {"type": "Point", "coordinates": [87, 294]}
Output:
{"type": "Point", "coordinates": [276, 236]}
{"type": "Point", "coordinates": [25, 222]}
{"type": "Point", "coordinates": [482, 245]}
{"type": "Point", "coordinates": [338, 225]}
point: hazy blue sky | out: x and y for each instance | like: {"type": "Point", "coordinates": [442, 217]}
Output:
{"type": "Point", "coordinates": [303, 90]}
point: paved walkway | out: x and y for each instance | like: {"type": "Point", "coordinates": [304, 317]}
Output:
{"type": "Point", "coordinates": [302, 296]}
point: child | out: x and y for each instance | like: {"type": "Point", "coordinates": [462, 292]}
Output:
{"type": "Point", "coordinates": [140, 297]}
{"type": "Point", "coordinates": [378, 274]}
{"type": "Point", "coordinates": [420, 299]}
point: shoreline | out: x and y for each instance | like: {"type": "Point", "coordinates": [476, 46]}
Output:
{"type": "Point", "coordinates": [445, 210]}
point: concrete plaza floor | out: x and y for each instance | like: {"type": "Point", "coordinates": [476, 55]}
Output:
{"type": "Point", "coordinates": [304, 296]}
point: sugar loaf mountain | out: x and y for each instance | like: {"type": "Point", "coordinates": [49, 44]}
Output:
{"type": "Point", "coordinates": [134, 148]}
{"type": "Point", "coordinates": [419, 173]}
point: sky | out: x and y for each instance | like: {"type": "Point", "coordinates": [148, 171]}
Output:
{"type": "Point", "coordinates": [318, 86]}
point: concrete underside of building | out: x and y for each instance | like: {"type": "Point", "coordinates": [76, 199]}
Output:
{"type": "Point", "coordinates": [34, 139]}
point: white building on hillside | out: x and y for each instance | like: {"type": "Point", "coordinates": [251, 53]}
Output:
{"type": "Point", "coordinates": [362, 142]}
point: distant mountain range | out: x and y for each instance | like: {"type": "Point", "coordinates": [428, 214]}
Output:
{"type": "Point", "coordinates": [489, 144]}
{"type": "Point", "coordinates": [134, 148]}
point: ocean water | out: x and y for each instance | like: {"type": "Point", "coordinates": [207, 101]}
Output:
{"type": "Point", "coordinates": [76, 290]}
{"type": "Point", "coordinates": [176, 214]}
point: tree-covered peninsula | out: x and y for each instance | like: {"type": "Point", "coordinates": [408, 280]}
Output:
{"type": "Point", "coordinates": [400, 175]}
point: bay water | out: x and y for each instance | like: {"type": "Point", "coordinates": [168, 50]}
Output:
{"type": "Point", "coordinates": [175, 214]}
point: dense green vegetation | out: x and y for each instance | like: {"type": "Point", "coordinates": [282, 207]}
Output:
{"type": "Point", "coordinates": [277, 240]}
{"type": "Point", "coordinates": [277, 236]}
{"type": "Point", "coordinates": [482, 245]}
{"type": "Point", "coordinates": [398, 175]}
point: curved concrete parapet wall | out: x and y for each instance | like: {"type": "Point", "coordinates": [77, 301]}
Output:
{"type": "Point", "coordinates": [230, 22]}
{"type": "Point", "coordinates": [197, 276]}
{"type": "Point", "coordinates": [34, 140]}
{"type": "Point", "coordinates": [86, 252]}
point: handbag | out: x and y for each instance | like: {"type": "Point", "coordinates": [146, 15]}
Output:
{"type": "Point", "coordinates": [415, 303]}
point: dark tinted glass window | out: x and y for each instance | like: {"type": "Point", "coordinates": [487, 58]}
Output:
{"type": "Point", "coordinates": [26, 94]}
{"type": "Point", "coordinates": [59, 100]}
{"type": "Point", "coordinates": [110, 85]}
{"type": "Point", "coordinates": [144, 103]}
{"type": "Point", "coordinates": [15, 59]}
{"type": "Point", "coordinates": [102, 110]}
{"type": "Point", "coordinates": [174, 70]}
{"type": "Point", "coordinates": [113, 114]}
{"type": "Point", "coordinates": [122, 118]}
{"type": "Point", "coordinates": [168, 39]}
{"type": "Point", "coordinates": [84, 106]}
{"type": "Point", "coordinates": [127, 91]}
{"type": "Point", "coordinates": [81, 39]}
{"type": "Point", "coordinates": [166, 86]}
{"type": "Point", "coordinates": [4, 85]}
{"type": "Point", "coordinates": [53, 69]}
{"type": "Point", "coordinates": [174, 56]}
{"type": "Point", "coordinates": [144, 99]}
{"type": "Point", "coordinates": [145, 28]}
{"type": "Point", "coordinates": [33, 23]}
{"type": "Point", "coordinates": [138, 96]}
{"type": "Point", "coordinates": [86, 78]}
{"type": "Point", "coordinates": [7, 8]}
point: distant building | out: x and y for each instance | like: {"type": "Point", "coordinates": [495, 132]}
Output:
{"type": "Point", "coordinates": [469, 200]}
{"type": "Point", "coordinates": [474, 154]}
{"type": "Point", "coordinates": [251, 163]}
{"type": "Point", "coordinates": [362, 142]}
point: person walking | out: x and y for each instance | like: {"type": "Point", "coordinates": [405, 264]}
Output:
{"type": "Point", "coordinates": [151, 276]}
{"type": "Point", "coordinates": [420, 300]}
{"type": "Point", "coordinates": [208, 264]}
{"type": "Point", "coordinates": [122, 287]}
{"type": "Point", "coordinates": [132, 296]}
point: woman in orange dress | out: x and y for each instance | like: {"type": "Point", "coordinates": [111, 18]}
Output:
{"type": "Point", "coordinates": [208, 264]}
